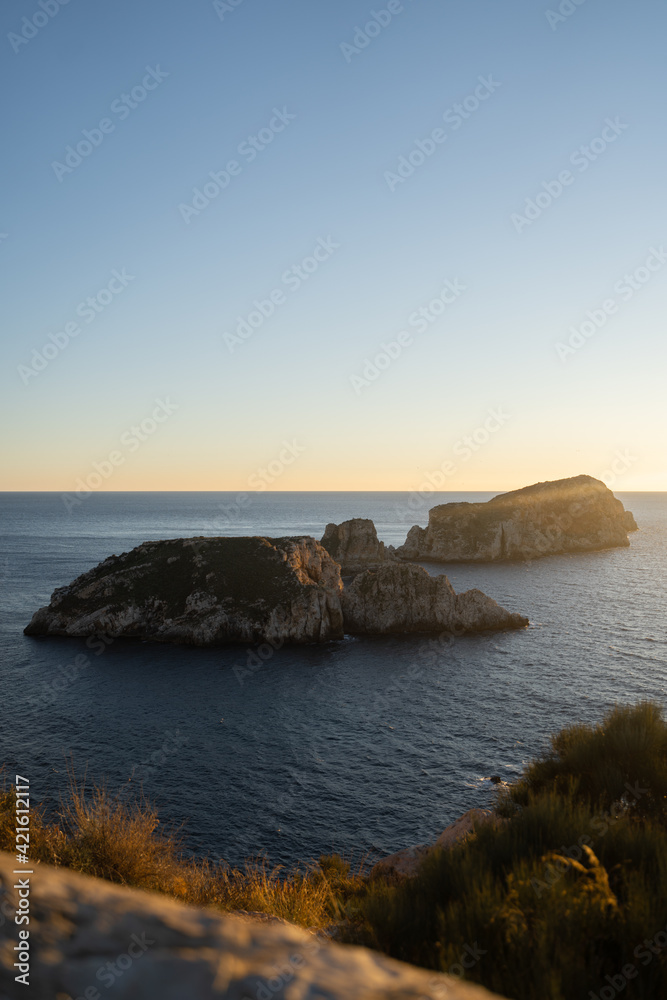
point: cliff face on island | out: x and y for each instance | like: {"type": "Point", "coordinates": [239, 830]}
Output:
{"type": "Point", "coordinates": [212, 591]}
{"type": "Point", "coordinates": [400, 598]}
{"type": "Point", "coordinates": [569, 515]}
{"type": "Point", "coordinates": [204, 592]}
{"type": "Point", "coordinates": [355, 545]}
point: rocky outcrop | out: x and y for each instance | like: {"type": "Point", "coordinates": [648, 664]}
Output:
{"type": "Point", "coordinates": [405, 598]}
{"type": "Point", "coordinates": [630, 523]}
{"type": "Point", "coordinates": [204, 592]}
{"type": "Point", "coordinates": [405, 863]}
{"type": "Point", "coordinates": [568, 515]}
{"type": "Point", "coordinates": [213, 591]}
{"type": "Point", "coordinates": [355, 545]}
{"type": "Point", "coordinates": [88, 937]}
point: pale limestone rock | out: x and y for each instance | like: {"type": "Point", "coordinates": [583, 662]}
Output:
{"type": "Point", "coordinates": [163, 950]}
{"type": "Point", "coordinates": [569, 515]}
{"type": "Point", "coordinates": [355, 545]}
{"type": "Point", "coordinates": [402, 864]}
{"type": "Point", "coordinates": [405, 863]}
{"type": "Point", "coordinates": [464, 826]}
{"type": "Point", "coordinates": [405, 598]}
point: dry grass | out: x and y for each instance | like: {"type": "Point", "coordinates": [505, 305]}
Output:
{"type": "Point", "coordinates": [123, 842]}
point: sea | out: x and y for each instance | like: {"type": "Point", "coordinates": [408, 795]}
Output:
{"type": "Point", "coordinates": [359, 747]}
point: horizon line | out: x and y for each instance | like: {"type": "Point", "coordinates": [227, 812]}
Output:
{"type": "Point", "coordinates": [278, 492]}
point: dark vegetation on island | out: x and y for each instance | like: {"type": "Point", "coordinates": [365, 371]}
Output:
{"type": "Point", "coordinates": [563, 897]}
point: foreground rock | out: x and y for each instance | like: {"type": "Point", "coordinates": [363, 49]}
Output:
{"type": "Point", "coordinates": [568, 515]}
{"type": "Point", "coordinates": [404, 598]}
{"type": "Point", "coordinates": [89, 935]}
{"type": "Point", "coordinates": [355, 545]}
{"type": "Point", "coordinates": [405, 863]}
{"type": "Point", "coordinates": [204, 592]}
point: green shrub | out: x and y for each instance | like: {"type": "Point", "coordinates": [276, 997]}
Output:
{"type": "Point", "coordinates": [620, 763]}
{"type": "Point", "coordinates": [563, 891]}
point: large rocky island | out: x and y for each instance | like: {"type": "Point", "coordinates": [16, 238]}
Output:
{"type": "Point", "coordinates": [568, 515]}
{"type": "Point", "coordinates": [212, 591]}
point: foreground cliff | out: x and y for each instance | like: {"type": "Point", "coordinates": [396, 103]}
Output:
{"type": "Point", "coordinates": [204, 592]}
{"type": "Point", "coordinates": [568, 515]}
{"type": "Point", "coordinates": [213, 591]}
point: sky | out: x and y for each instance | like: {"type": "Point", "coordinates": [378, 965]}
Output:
{"type": "Point", "coordinates": [333, 246]}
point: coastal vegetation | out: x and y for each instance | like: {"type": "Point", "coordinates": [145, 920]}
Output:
{"type": "Point", "coordinates": [563, 898]}
{"type": "Point", "coordinates": [123, 841]}
{"type": "Point", "coordinates": [566, 897]}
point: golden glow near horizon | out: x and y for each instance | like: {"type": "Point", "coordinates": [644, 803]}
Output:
{"type": "Point", "coordinates": [274, 476]}
{"type": "Point", "coordinates": [165, 453]}
{"type": "Point", "coordinates": [383, 442]}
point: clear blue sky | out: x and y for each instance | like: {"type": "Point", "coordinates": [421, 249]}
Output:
{"type": "Point", "coordinates": [329, 174]}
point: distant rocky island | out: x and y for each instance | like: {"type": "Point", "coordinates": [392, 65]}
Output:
{"type": "Point", "coordinates": [580, 514]}
{"type": "Point", "coordinates": [212, 591]}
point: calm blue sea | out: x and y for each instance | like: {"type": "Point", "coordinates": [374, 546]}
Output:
{"type": "Point", "coordinates": [362, 746]}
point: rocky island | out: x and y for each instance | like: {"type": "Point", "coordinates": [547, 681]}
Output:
{"type": "Point", "coordinates": [568, 515]}
{"type": "Point", "coordinates": [204, 592]}
{"type": "Point", "coordinates": [399, 598]}
{"type": "Point", "coordinates": [355, 545]}
{"type": "Point", "coordinates": [213, 591]}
